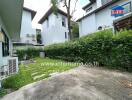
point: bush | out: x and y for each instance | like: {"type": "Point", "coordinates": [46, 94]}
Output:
{"type": "Point", "coordinates": [104, 47]}
{"type": "Point", "coordinates": [29, 53]}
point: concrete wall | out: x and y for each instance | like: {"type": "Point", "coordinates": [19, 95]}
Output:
{"type": "Point", "coordinates": [54, 32]}
{"type": "Point", "coordinates": [26, 28]}
{"type": "Point", "coordinates": [102, 18]}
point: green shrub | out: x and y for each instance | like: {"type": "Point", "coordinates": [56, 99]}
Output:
{"type": "Point", "coordinates": [104, 47]}
{"type": "Point", "coordinates": [30, 53]}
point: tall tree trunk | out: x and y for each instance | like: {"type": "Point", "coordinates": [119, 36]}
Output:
{"type": "Point", "coordinates": [69, 25]}
{"type": "Point", "coordinates": [69, 18]}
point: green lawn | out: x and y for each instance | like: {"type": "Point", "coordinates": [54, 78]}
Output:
{"type": "Point", "coordinates": [36, 71]}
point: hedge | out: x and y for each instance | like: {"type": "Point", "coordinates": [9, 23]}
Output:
{"type": "Point", "coordinates": [29, 53]}
{"type": "Point", "coordinates": [108, 49]}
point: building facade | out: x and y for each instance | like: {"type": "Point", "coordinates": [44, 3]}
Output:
{"type": "Point", "coordinates": [99, 16]}
{"type": "Point", "coordinates": [10, 13]}
{"type": "Point", "coordinates": [54, 27]}
{"type": "Point", "coordinates": [28, 34]}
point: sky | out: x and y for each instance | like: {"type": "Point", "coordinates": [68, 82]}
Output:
{"type": "Point", "coordinates": [42, 6]}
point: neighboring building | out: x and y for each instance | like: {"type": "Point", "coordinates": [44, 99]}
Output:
{"type": "Point", "coordinates": [54, 27]}
{"type": "Point", "coordinates": [98, 16]}
{"type": "Point", "coordinates": [10, 25]}
{"type": "Point", "coordinates": [28, 34]}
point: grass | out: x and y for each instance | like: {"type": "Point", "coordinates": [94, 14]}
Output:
{"type": "Point", "coordinates": [2, 92]}
{"type": "Point", "coordinates": [41, 67]}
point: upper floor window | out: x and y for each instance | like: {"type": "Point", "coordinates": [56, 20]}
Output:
{"type": "Point", "coordinates": [127, 7]}
{"type": "Point", "coordinates": [63, 22]}
{"type": "Point", "coordinates": [89, 9]}
{"type": "Point", "coordinates": [5, 45]}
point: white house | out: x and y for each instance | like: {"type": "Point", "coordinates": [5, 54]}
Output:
{"type": "Point", "coordinates": [28, 34]}
{"type": "Point", "coordinates": [98, 16]}
{"type": "Point", "coordinates": [54, 27]}
{"type": "Point", "coordinates": [10, 25]}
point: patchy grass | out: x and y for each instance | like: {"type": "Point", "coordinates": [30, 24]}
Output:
{"type": "Point", "coordinates": [2, 92]}
{"type": "Point", "coordinates": [42, 68]}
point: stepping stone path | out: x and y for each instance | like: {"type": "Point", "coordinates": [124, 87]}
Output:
{"type": "Point", "coordinates": [34, 73]}
{"type": "Point", "coordinates": [39, 76]}
{"type": "Point", "coordinates": [54, 74]}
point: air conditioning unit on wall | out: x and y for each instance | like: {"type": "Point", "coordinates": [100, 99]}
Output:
{"type": "Point", "coordinates": [13, 66]}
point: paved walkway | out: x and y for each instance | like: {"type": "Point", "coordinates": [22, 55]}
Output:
{"type": "Point", "coordinates": [79, 84]}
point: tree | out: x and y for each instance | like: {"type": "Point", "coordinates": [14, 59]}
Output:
{"type": "Point", "coordinates": [67, 5]}
{"type": "Point", "coordinates": [75, 30]}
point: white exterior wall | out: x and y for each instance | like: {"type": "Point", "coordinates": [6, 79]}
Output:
{"type": "Point", "coordinates": [87, 25]}
{"type": "Point", "coordinates": [26, 28]}
{"type": "Point", "coordinates": [55, 33]}
{"type": "Point", "coordinates": [102, 18]}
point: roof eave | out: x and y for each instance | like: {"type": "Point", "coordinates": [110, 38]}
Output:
{"type": "Point", "coordinates": [95, 11]}
{"type": "Point", "coordinates": [33, 13]}
{"type": "Point", "coordinates": [50, 11]}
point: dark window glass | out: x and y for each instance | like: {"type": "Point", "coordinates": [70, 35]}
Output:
{"type": "Point", "coordinates": [47, 22]}
{"type": "Point", "coordinates": [5, 45]}
{"type": "Point", "coordinates": [89, 9]}
{"type": "Point", "coordinates": [63, 22]}
{"type": "Point", "coordinates": [65, 35]}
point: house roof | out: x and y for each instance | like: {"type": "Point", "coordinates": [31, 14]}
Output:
{"type": "Point", "coordinates": [89, 4]}
{"type": "Point", "coordinates": [99, 9]}
{"type": "Point", "coordinates": [50, 11]}
{"type": "Point", "coordinates": [33, 13]}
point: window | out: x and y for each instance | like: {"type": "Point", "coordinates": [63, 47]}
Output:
{"type": "Point", "coordinates": [5, 45]}
{"type": "Point", "coordinates": [127, 7]}
{"type": "Point", "coordinates": [47, 22]}
{"type": "Point", "coordinates": [27, 35]}
{"type": "Point", "coordinates": [65, 35]}
{"type": "Point", "coordinates": [89, 9]}
{"type": "Point", "coordinates": [63, 22]}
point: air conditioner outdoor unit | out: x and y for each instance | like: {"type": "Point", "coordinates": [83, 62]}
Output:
{"type": "Point", "coordinates": [12, 66]}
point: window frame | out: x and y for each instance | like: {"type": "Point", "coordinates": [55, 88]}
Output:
{"type": "Point", "coordinates": [5, 44]}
